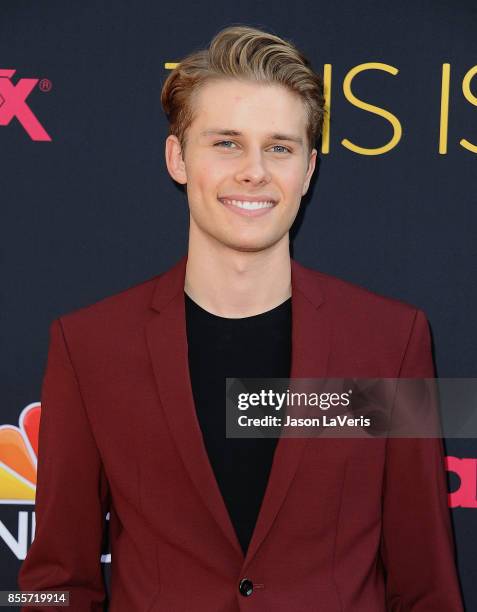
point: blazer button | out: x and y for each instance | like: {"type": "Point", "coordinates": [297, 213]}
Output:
{"type": "Point", "coordinates": [246, 587]}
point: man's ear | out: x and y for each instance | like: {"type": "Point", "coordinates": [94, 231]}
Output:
{"type": "Point", "coordinates": [309, 172]}
{"type": "Point", "coordinates": [174, 161]}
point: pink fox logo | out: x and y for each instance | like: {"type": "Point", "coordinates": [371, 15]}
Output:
{"type": "Point", "coordinates": [13, 104]}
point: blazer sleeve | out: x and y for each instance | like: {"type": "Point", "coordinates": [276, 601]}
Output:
{"type": "Point", "coordinates": [417, 545]}
{"type": "Point", "coordinates": [72, 493]}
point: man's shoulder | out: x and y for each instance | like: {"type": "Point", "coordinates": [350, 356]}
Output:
{"type": "Point", "coordinates": [138, 291]}
{"type": "Point", "coordinates": [372, 329]}
{"type": "Point", "coordinates": [349, 295]}
{"type": "Point", "coordinates": [361, 313]}
{"type": "Point", "coordinates": [113, 313]}
{"type": "Point", "coordinates": [133, 301]}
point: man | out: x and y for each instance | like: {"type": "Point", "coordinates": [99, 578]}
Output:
{"type": "Point", "coordinates": [133, 397]}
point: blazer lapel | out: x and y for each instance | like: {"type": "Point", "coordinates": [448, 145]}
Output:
{"type": "Point", "coordinates": [167, 343]}
{"type": "Point", "coordinates": [311, 335]}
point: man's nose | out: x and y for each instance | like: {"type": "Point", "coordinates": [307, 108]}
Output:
{"type": "Point", "coordinates": [253, 168]}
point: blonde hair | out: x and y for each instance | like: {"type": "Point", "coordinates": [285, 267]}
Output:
{"type": "Point", "coordinates": [248, 54]}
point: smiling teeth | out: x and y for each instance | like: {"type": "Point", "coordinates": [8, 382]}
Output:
{"type": "Point", "coordinates": [249, 205]}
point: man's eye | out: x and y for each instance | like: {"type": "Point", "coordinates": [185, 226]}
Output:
{"type": "Point", "coordinates": [286, 149]}
{"type": "Point", "coordinates": [224, 142]}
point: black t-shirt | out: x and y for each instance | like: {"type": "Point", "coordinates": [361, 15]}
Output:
{"type": "Point", "coordinates": [251, 347]}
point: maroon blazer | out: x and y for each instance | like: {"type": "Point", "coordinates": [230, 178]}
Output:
{"type": "Point", "coordinates": [346, 525]}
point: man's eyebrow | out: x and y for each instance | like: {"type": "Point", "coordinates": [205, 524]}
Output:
{"type": "Point", "coordinates": [274, 136]}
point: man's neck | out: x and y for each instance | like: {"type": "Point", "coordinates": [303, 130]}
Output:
{"type": "Point", "coordinates": [235, 284]}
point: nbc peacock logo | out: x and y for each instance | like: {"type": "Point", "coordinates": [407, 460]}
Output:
{"type": "Point", "coordinates": [18, 457]}
{"type": "Point", "coordinates": [18, 470]}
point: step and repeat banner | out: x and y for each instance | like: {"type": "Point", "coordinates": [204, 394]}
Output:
{"type": "Point", "coordinates": [88, 208]}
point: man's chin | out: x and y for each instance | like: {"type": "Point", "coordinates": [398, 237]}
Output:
{"type": "Point", "coordinates": [249, 249]}
{"type": "Point", "coordinates": [238, 241]}
{"type": "Point", "coordinates": [251, 246]}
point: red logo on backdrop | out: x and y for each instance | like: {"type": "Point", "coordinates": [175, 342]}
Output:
{"type": "Point", "coordinates": [13, 104]}
{"type": "Point", "coordinates": [466, 495]}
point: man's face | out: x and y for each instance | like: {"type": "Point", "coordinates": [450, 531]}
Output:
{"type": "Point", "coordinates": [247, 144]}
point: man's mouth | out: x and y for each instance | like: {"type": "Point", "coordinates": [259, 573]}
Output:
{"type": "Point", "coordinates": [248, 204]}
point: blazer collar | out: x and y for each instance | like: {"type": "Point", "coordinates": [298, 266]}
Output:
{"type": "Point", "coordinates": [167, 344]}
{"type": "Point", "coordinates": [171, 283]}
